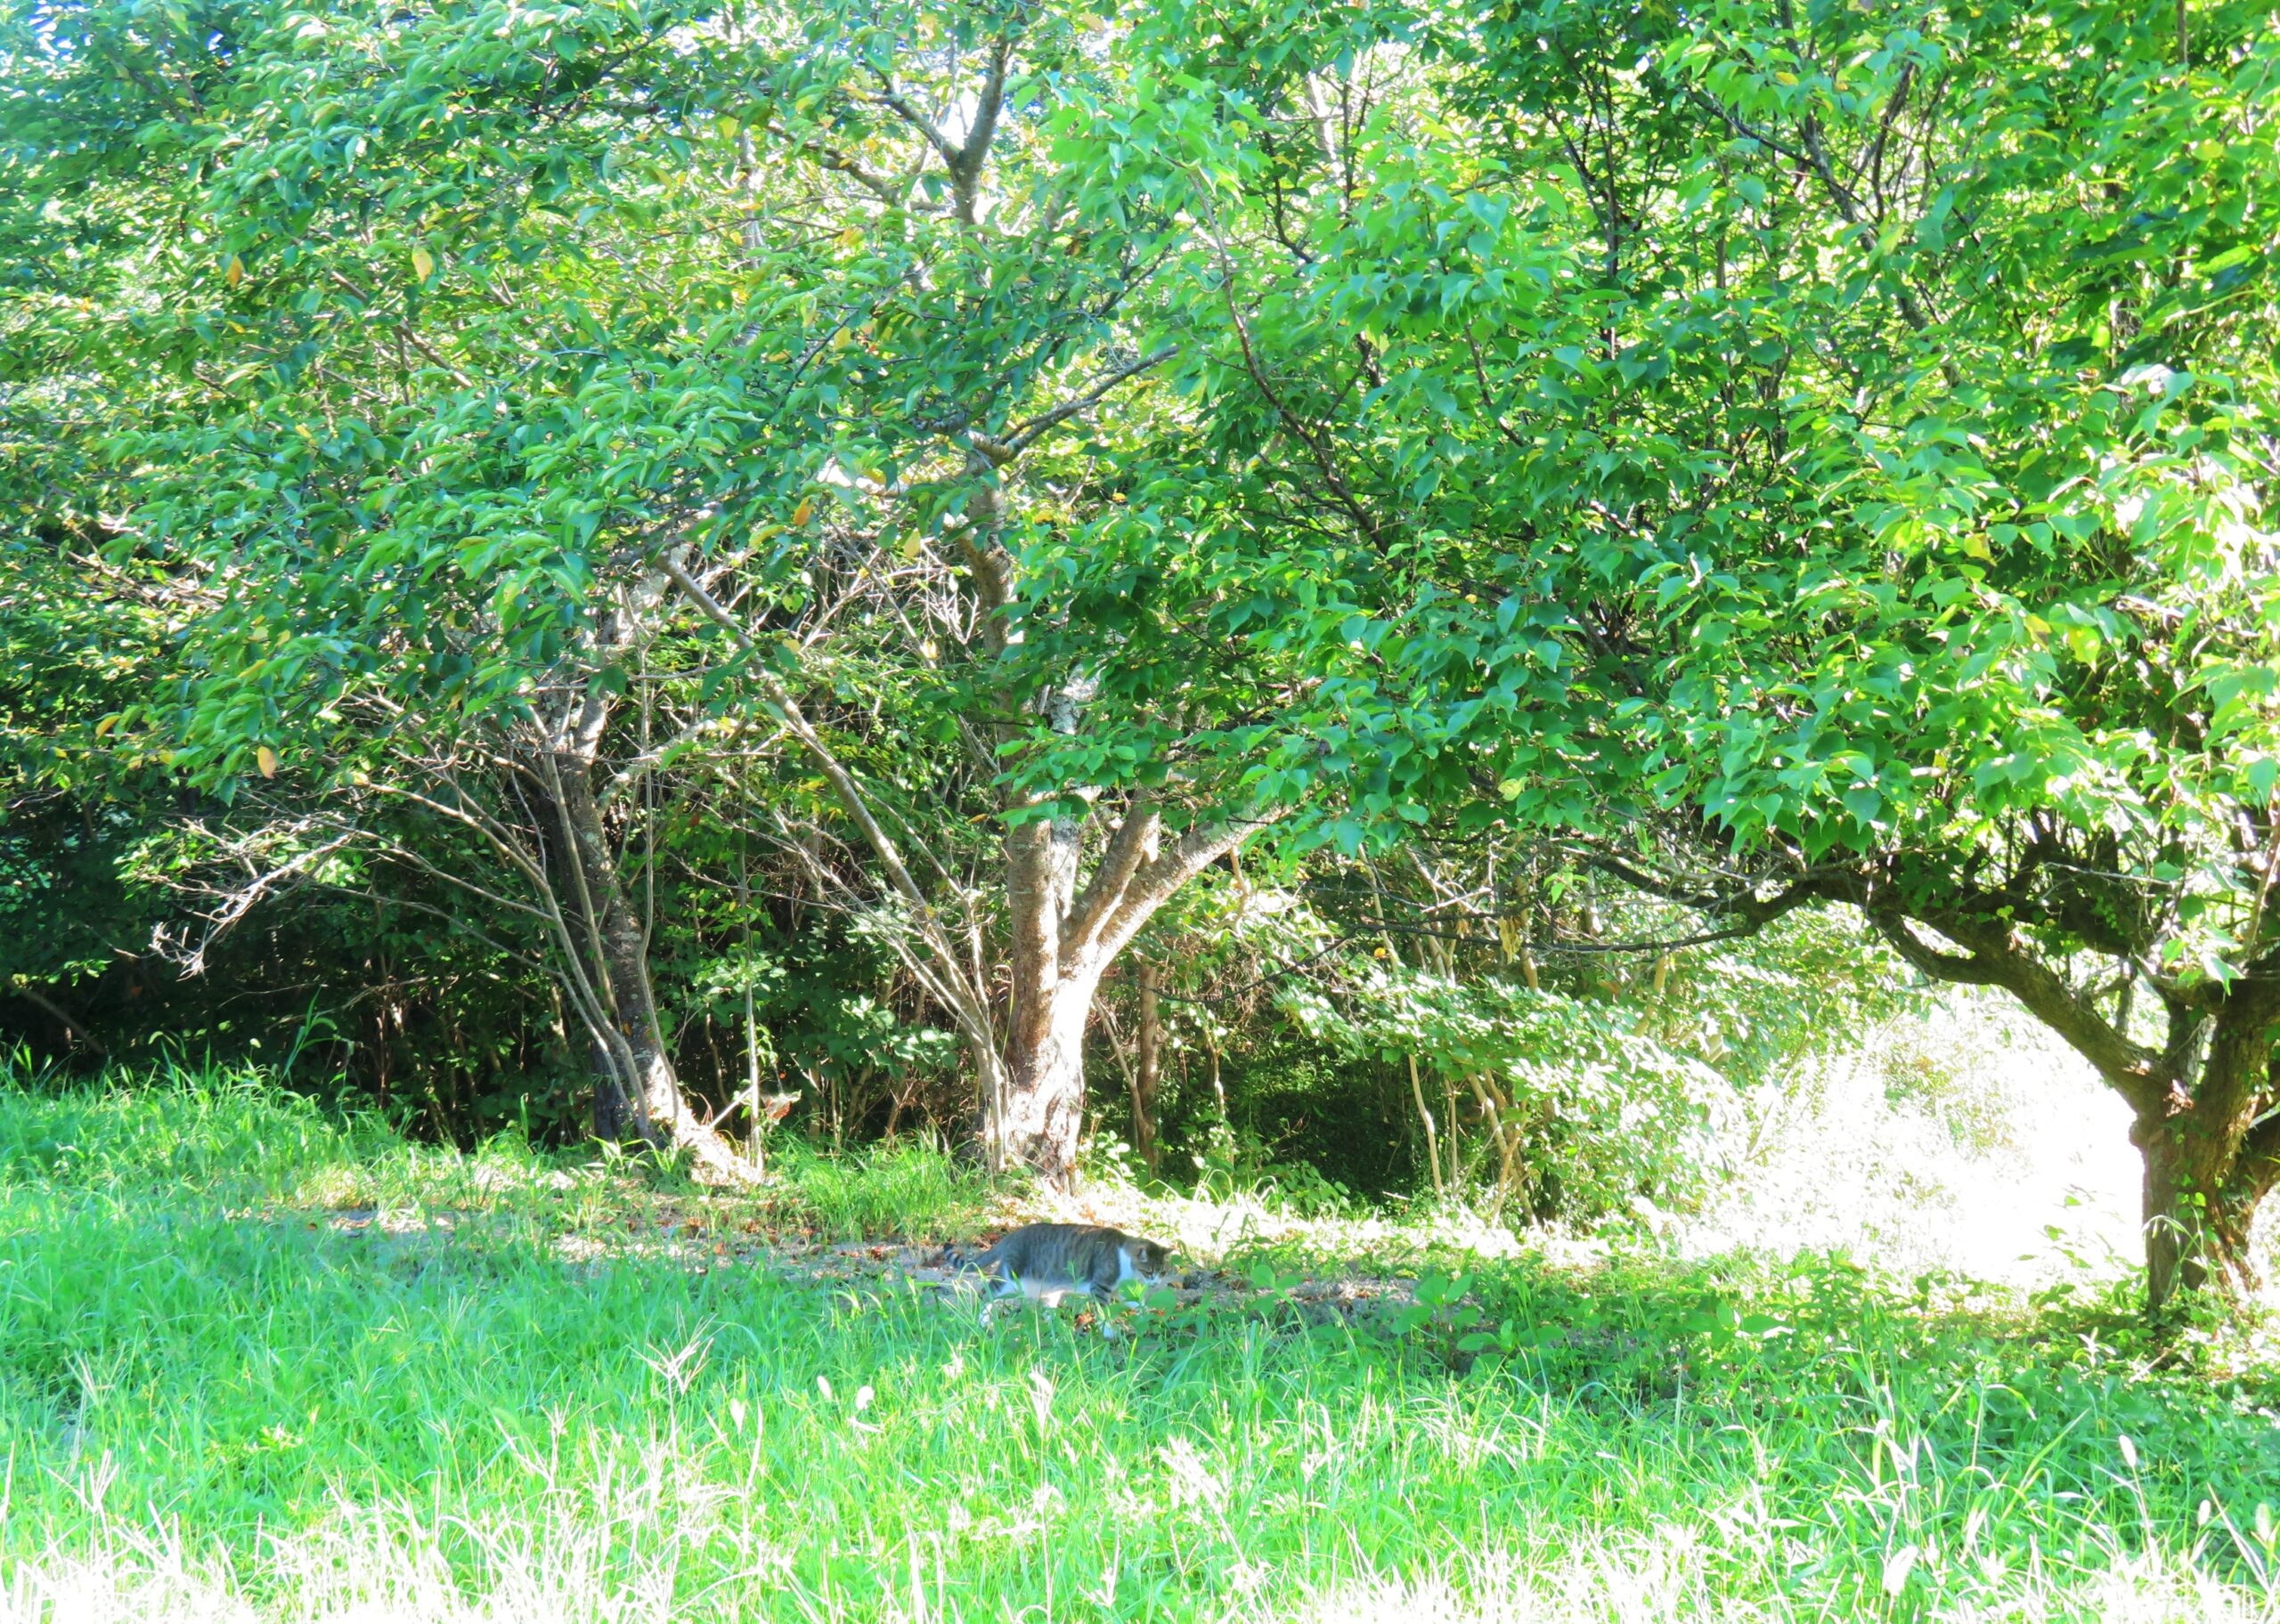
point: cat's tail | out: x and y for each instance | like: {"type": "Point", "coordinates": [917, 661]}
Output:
{"type": "Point", "coordinates": [981, 1263]}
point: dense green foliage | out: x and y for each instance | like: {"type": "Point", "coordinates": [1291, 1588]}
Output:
{"type": "Point", "coordinates": [492, 1388]}
{"type": "Point", "coordinates": [747, 549]}
{"type": "Point", "coordinates": [688, 629]}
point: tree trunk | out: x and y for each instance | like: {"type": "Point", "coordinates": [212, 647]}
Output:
{"type": "Point", "coordinates": [614, 1115]}
{"type": "Point", "coordinates": [2209, 1160]}
{"type": "Point", "coordinates": [1432, 1137]}
{"type": "Point", "coordinates": [625, 962]}
{"type": "Point", "coordinates": [2206, 1113]}
{"type": "Point", "coordinates": [1149, 1082]}
{"type": "Point", "coordinates": [616, 950]}
{"type": "Point", "coordinates": [1043, 1108]}
{"type": "Point", "coordinates": [2196, 1221]}
{"type": "Point", "coordinates": [1063, 943]}
{"type": "Point", "coordinates": [1045, 1084]}
{"type": "Point", "coordinates": [2172, 1218]}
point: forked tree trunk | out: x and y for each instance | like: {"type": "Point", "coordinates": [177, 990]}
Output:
{"type": "Point", "coordinates": [637, 1092]}
{"type": "Point", "coordinates": [1032, 1070]}
{"type": "Point", "coordinates": [661, 1114]}
{"type": "Point", "coordinates": [1063, 941]}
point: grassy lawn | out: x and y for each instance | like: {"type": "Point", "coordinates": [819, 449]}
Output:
{"type": "Point", "coordinates": [257, 1361]}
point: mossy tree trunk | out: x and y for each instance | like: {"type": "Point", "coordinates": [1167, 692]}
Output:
{"type": "Point", "coordinates": [2206, 1120]}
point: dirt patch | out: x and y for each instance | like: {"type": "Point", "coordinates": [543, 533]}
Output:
{"type": "Point", "coordinates": [887, 1266]}
{"type": "Point", "coordinates": [703, 1241]}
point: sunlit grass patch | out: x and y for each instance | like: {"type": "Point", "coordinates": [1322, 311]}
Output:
{"type": "Point", "coordinates": [908, 1188]}
{"type": "Point", "coordinates": [231, 1132]}
{"type": "Point", "coordinates": [259, 1363]}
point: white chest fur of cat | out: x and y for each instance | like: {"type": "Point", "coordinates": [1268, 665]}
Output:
{"type": "Point", "coordinates": [1047, 1261]}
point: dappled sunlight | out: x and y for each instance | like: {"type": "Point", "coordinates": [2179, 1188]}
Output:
{"type": "Point", "coordinates": [1969, 1141]}
{"type": "Point", "coordinates": [1660, 1578]}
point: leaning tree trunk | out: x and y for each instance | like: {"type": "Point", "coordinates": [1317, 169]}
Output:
{"type": "Point", "coordinates": [619, 958]}
{"type": "Point", "coordinates": [2204, 1106]}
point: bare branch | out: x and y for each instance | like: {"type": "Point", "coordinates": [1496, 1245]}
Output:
{"type": "Point", "coordinates": [238, 903]}
{"type": "Point", "coordinates": [1003, 452]}
{"type": "Point", "coordinates": [1994, 957]}
{"type": "Point", "coordinates": [73, 1031]}
{"type": "Point", "coordinates": [969, 1005]}
{"type": "Point", "coordinates": [1133, 845]}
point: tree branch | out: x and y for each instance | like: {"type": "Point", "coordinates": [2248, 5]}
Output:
{"type": "Point", "coordinates": [969, 1005]}
{"type": "Point", "coordinates": [73, 1031]}
{"type": "Point", "coordinates": [1156, 881]}
{"type": "Point", "coordinates": [1993, 957]}
{"type": "Point", "coordinates": [1133, 844]}
{"type": "Point", "coordinates": [1754, 911]}
{"type": "Point", "coordinates": [1003, 452]}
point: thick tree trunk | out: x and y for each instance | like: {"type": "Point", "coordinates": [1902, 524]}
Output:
{"type": "Point", "coordinates": [2209, 1160]}
{"type": "Point", "coordinates": [2171, 1210]}
{"type": "Point", "coordinates": [2197, 1218]}
{"type": "Point", "coordinates": [1055, 974]}
{"type": "Point", "coordinates": [1062, 942]}
{"type": "Point", "coordinates": [2205, 1106]}
{"type": "Point", "coordinates": [1045, 1095]}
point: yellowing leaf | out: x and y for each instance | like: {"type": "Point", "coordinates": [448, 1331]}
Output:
{"type": "Point", "coordinates": [265, 758]}
{"type": "Point", "coordinates": [234, 270]}
{"type": "Point", "coordinates": [423, 264]}
{"type": "Point", "coordinates": [804, 511]}
{"type": "Point", "coordinates": [852, 238]}
{"type": "Point", "coordinates": [1976, 546]}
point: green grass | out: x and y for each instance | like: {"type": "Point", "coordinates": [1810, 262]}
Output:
{"type": "Point", "coordinates": [214, 1403]}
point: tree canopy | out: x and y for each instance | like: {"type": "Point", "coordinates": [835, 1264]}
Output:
{"type": "Point", "coordinates": [1780, 454]}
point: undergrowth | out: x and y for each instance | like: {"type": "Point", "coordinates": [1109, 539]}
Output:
{"type": "Point", "coordinates": [494, 1399]}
